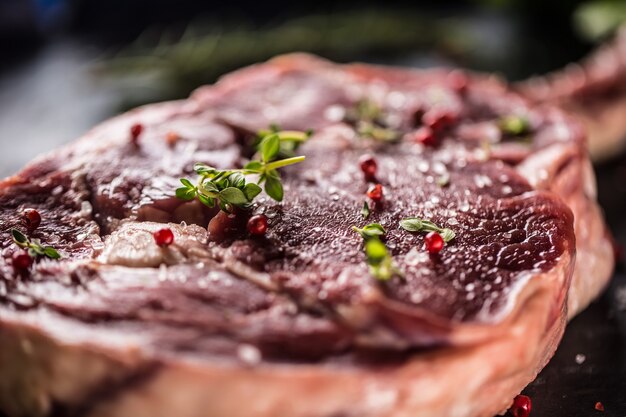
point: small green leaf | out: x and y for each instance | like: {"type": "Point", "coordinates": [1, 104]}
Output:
{"type": "Point", "coordinates": [443, 181]}
{"type": "Point", "coordinates": [365, 211]}
{"type": "Point", "coordinates": [380, 261]}
{"type": "Point", "coordinates": [255, 166]}
{"type": "Point", "coordinates": [384, 135]}
{"type": "Point", "coordinates": [370, 130]}
{"type": "Point", "coordinates": [19, 237]}
{"type": "Point", "coordinates": [208, 187]}
{"type": "Point", "coordinates": [447, 235]}
{"type": "Point", "coordinates": [270, 145]}
{"type": "Point", "coordinates": [514, 125]}
{"type": "Point", "coordinates": [233, 196]}
{"type": "Point", "coordinates": [368, 109]}
{"type": "Point", "coordinates": [383, 271]}
{"type": "Point", "coordinates": [274, 188]}
{"type": "Point", "coordinates": [207, 201]}
{"type": "Point", "coordinates": [51, 253]}
{"type": "Point", "coordinates": [272, 173]}
{"type": "Point", "coordinates": [251, 190]}
{"type": "Point", "coordinates": [236, 179]}
{"type": "Point", "coordinates": [375, 250]}
{"type": "Point", "coordinates": [288, 149]}
{"type": "Point", "coordinates": [37, 249]}
{"type": "Point", "coordinates": [203, 169]}
{"type": "Point", "coordinates": [293, 136]}
{"type": "Point", "coordinates": [187, 183]}
{"type": "Point", "coordinates": [429, 226]}
{"type": "Point", "coordinates": [412, 224]}
{"type": "Point", "coordinates": [369, 231]}
{"type": "Point", "coordinates": [374, 229]}
{"type": "Point", "coordinates": [220, 184]}
{"type": "Point", "coordinates": [220, 175]}
{"type": "Point", "coordinates": [185, 193]}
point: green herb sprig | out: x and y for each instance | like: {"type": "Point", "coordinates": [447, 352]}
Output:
{"type": "Point", "coordinates": [382, 134]}
{"type": "Point", "coordinates": [370, 230]}
{"type": "Point", "coordinates": [369, 121]}
{"type": "Point", "coordinates": [379, 260]}
{"type": "Point", "coordinates": [415, 224]}
{"type": "Point", "coordinates": [365, 210]}
{"type": "Point", "coordinates": [443, 180]}
{"type": "Point", "coordinates": [34, 246]}
{"type": "Point", "coordinates": [514, 125]}
{"type": "Point", "coordinates": [227, 188]}
{"type": "Point", "coordinates": [289, 140]}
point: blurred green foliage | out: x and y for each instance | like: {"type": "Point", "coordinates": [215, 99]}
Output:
{"type": "Point", "coordinates": [597, 20]}
{"type": "Point", "coordinates": [173, 65]}
{"type": "Point", "coordinates": [169, 64]}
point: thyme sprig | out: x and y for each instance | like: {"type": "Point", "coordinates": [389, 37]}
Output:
{"type": "Point", "coordinates": [365, 211]}
{"type": "Point", "coordinates": [514, 125]}
{"type": "Point", "coordinates": [370, 230]}
{"type": "Point", "coordinates": [379, 260]}
{"type": "Point", "coordinates": [415, 224]}
{"type": "Point", "coordinates": [228, 188]}
{"type": "Point", "coordinates": [34, 246]}
{"type": "Point", "coordinates": [289, 140]}
{"type": "Point", "coordinates": [369, 121]}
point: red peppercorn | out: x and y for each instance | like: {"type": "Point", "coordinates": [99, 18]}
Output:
{"type": "Point", "coordinates": [257, 225]}
{"type": "Point", "coordinates": [521, 406]}
{"type": "Point", "coordinates": [32, 218]}
{"type": "Point", "coordinates": [135, 132]}
{"type": "Point", "coordinates": [425, 136]}
{"type": "Point", "coordinates": [172, 138]}
{"type": "Point", "coordinates": [438, 119]}
{"type": "Point", "coordinates": [599, 406]}
{"type": "Point", "coordinates": [21, 260]}
{"type": "Point", "coordinates": [376, 193]}
{"type": "Point", "coordinates": [163, 237]}
{"type": "Point", "coordinates": [434, 243]}
{"type": "Point", "coordinates": [368, 166]}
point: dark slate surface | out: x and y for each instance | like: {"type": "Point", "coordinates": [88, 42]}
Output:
{"type": "Point", "coordinates": [568, 388]}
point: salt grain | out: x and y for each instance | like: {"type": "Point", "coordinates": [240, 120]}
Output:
{"type": "Point", "coordinates": [249, 354]}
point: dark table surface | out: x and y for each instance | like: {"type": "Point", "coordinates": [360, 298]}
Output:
{"type": "Point", "coordinates": [51, 99]}
{"type": "Point", "coordinates": [590, 364]}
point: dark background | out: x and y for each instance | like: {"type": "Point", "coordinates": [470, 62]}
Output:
{"type": "Point", "coordinates": [56, 67]}
{"type": "Point", "coordinates": [66, 65]}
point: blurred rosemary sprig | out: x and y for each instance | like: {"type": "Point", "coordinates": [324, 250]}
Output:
{"type": "Point", "coordinates": [173, 66]}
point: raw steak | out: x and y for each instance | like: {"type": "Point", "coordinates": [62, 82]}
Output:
{"type": "Point", "coordinates": [292, 323]}
{"type": "Point", "coordinates": [594, 91]}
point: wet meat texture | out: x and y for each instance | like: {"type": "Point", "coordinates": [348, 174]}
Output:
{"type": "Point", "coordinates": [301, 289]}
